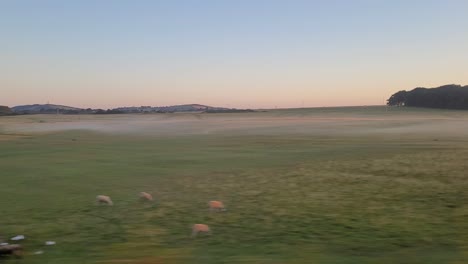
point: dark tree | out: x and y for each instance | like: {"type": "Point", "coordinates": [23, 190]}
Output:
{"type": "Point", "coordinates": [446, 97]}
{"type": "Point", "coordinates": [398, 98]}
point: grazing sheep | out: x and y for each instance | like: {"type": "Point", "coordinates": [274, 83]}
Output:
{"type": "Point", "coordinates": [144, 196]}
{"type": "Point", "coordinates": [197, 228]}
{"type": "Point", "coordinates": [102, 199]}
{"type": "Point", "coordinates": [216, 206]}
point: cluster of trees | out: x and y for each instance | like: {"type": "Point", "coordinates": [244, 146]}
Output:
{"type": "Point", "coordinates": [108, 111]}
{"type": "Point", "coordinates": [5, 110]}
{"type": "Point", "coordinates": [447, 97]}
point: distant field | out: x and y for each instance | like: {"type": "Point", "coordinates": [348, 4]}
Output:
{"type": "Point", "coordinates": [322, 185]}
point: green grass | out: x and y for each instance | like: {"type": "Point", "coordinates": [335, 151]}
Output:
{"type": "Point", "coordinates": [306, 192]}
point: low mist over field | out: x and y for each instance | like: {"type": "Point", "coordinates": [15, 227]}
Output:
{"type": "Point", "coordinates": [372, 121]}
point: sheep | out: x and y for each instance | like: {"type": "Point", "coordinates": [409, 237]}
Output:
{"type": "Point", "coordinates": [103, 199]}
{"type": "Point", "coordinates": [216, 206]}
{"type": "Point", "coordinates": [197, 228]}
{"type": "Point", "coordinates": [144, 196]}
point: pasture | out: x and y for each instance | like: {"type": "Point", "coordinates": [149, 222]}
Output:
{"type": "Point", "coordinates": [321, 185]}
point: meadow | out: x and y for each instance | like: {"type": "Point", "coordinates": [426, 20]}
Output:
{"type": "Point", "coordinates": [319, 185]}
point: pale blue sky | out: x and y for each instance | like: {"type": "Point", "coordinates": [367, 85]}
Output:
{"type": "Point", "coordinates": [243, 53]}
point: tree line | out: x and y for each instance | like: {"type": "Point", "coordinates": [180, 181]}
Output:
{"type": "Point", "coordinates": [5, 110]}
{"type": "Point", "coordinates": [450, 96]}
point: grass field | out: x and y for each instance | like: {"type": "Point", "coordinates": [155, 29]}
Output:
{"type": "Point", "coordinates": [324, 185]}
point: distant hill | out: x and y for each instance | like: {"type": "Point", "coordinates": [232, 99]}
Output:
{"type": "Point", "coordinates": [450, 96]}
{"type": "Point", "coordinates": [53, 109]}
{"type": "Point", "coordinates": [5, 110]}
{"type": "Point", "coordinates": [168, 109]}
{"type": "Point", "coordinates": [44, 108]}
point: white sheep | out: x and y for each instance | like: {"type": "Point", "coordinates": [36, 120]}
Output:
{"type": "Point", "coordinates": [216, 206]}
{"type": "Point", "coordinates": [146, 196]}
{"type": "Point", "coordinates": [200, 228]}
{"type": "Point", "coordinates": [103, 199]}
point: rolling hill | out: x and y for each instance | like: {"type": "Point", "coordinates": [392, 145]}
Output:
{"type": "Point", "coordinates": [52, 109]}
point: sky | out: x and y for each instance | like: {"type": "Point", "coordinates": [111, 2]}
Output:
{"type": "Point", "coordinates": [242, 53]}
